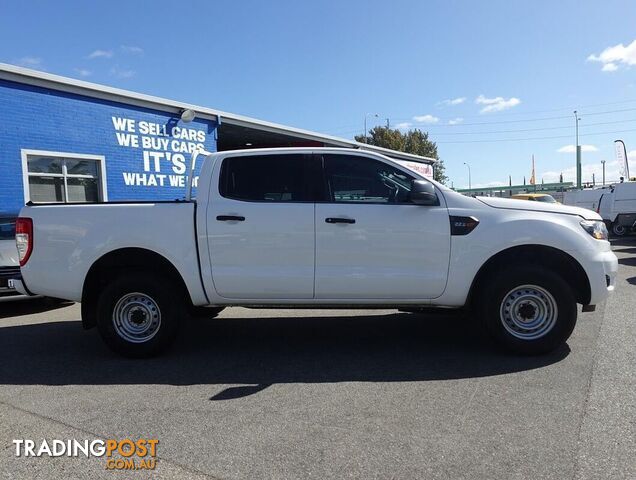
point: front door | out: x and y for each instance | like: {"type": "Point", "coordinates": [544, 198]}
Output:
{"type": "Point", "coordinates": [260, 227]}
{"type": "Point", "coordinates": [371, 242]}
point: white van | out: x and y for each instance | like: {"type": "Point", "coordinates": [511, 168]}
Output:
{"type": "Point", "coordinates": [584, 198]}
{"type": "Point", "coordinates": [618, 208]}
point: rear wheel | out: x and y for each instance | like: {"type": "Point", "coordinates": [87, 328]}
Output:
{"type": "Point", "coordinates": [528, 310]}
{"type": "Point", "coordinates": [138, 315]}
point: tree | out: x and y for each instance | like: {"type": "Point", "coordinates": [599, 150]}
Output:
{"type": "Point", "coordinates": [414, 141]}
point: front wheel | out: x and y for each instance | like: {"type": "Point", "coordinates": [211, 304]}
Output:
{"type": "Point", "coordinates": [138, 315]}
{"type": "Point", "coordinates": [528, 310]}
{"type": "Point", "coordinates": [618, 230]}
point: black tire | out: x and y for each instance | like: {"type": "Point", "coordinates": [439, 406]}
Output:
{"type": "Point", "coordinates": [548, 291]}
{"type": "Point", "coordinates": [160, 304]}
{"type": "Point", "coordinates": [618, 230]}
{"type": "Point", "coordinates": [206, 312]}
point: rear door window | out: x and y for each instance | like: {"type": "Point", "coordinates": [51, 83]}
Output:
{"type": "Point", "coordinates": [271, 178]}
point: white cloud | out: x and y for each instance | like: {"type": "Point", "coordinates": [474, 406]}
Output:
{"type": "Point", "coordinates": [456, 121]}
{"type": "Point", "coordinates": [496, 104]}
{"type": "Point", "coordinates": [572, 149]}
{"type": "Point", "coordinates": [426, 119]}
{"type": "Point", "coordinates": [631, 155]}
{"type": "Point", "coordinates": [618, 54]}
{"type": "Point", "coordinates": [121, 73]}
{"type": "Point", "coordinates": [403, 125]}
{"type": "Point", "coordinates": [453, 101]}
{"type": "Point", "coordinates": [612, 173]}
{"type": "Point", "coordinates": [30, 62]}
{"type": "Point", "coordinates": [100, 54]}
{"type": "Point", "coordinates": [133, 50]}
{"type": "Point", "coordinates": [82, 72]}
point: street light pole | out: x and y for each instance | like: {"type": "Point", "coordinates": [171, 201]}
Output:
{"type": "Point", "coordinates": [366, 138]}
{"type": "Point", "coordinates": [603, 162]}
{"type": "Point", "coordinates": [578, 151]}
{"type": "Point", "coordinates": [469, 182]}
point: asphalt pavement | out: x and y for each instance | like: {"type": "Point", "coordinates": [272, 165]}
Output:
{"type": "Point", "coordinates": [290, 394]}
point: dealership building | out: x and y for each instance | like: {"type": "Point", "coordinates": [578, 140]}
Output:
{"type": "Point", "coordinates": [65, 140]}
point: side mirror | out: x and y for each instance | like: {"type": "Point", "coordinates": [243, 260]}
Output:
{"type": "Point", "coordinates": [423, 193]}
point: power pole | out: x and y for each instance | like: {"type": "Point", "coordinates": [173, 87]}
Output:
{"type": "Point", "coordinates": [470, 187]}
{"type": "Point", "coordinates": [366, 133]}
{"type": "Point", "coordinates": [603, 162]}
{"type": "Point", "coordinates": [578, 151]}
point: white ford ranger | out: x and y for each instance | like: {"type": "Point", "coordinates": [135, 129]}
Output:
{"type": "Point", "coordinates": [307, 227]}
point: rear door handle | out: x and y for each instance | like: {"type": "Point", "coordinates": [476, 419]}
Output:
{"type": "Point", "coordinates": [339, 220]}
{"type": "Point", "coordinates": [230, 218]}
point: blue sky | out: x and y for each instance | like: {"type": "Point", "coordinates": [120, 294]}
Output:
{"type": "Point", "coordinates": [515, 70]}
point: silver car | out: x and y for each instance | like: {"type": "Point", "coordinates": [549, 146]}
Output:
{"type": "Point", "coordinates": [9, 265]}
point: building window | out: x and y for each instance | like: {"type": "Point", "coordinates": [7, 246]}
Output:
{"type": "Point", "coordinates": [53, 177]}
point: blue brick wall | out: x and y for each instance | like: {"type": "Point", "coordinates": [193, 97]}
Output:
{"type": "Point", "coordinates": [36, 118]}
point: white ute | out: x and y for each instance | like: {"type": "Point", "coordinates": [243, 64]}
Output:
{"type": "Point", "coordinates": [319, 227]}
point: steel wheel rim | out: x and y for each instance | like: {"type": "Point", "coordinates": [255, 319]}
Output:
{"type": "Point", "coordinates": [136, 317]}
{"type": "Point", "coordinates": [528, 312]}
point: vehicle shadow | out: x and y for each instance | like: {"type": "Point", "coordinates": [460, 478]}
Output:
{"type": "Point", "coordinates": [623, 241]}
{"type": "Point", "coordinates": [263, 351]}
{"type": "Point", "coordinates": [630, 261]}
{"type": "Point", "coordinates": [29, 306]}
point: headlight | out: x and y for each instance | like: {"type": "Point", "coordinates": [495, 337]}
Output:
{"type": "Point", "coordinates": [596, 228]}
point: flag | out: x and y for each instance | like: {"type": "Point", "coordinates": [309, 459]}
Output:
{"type": "Point", "coordinates": [532, 179]}
{"type": "Point", "coordinates": [621, 156]}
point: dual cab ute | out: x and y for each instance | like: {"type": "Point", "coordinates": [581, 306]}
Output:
{"type": "Point", "coordinates": [336, 228]}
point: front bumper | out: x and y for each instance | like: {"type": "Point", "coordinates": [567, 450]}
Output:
{"type": "Point", "coordinates": [601, 270]}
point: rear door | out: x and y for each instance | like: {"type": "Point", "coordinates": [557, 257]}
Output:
{"type": "Point", "coordinates": [371, 241]}
{"type": "Point", "coordinates": [260, 227]}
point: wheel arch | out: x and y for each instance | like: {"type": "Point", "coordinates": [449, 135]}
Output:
{"type": "Point", "coordinates": [114, 262]}
{"type": "Point", "coordinates": [541, 255]}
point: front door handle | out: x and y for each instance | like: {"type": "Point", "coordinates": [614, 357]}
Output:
{"type": "Point", "coordinates": [230, 218]}
{"type": "Point", "coordinates": [339, 220]}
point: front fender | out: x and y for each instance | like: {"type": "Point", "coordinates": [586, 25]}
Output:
{"type": "Point", "coordinates": [499, 231]}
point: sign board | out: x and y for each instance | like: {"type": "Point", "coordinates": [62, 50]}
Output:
{"type": "Point", "coordinates": [424, 169]}
{"type": "Point", "coordinates": [621, 157]}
